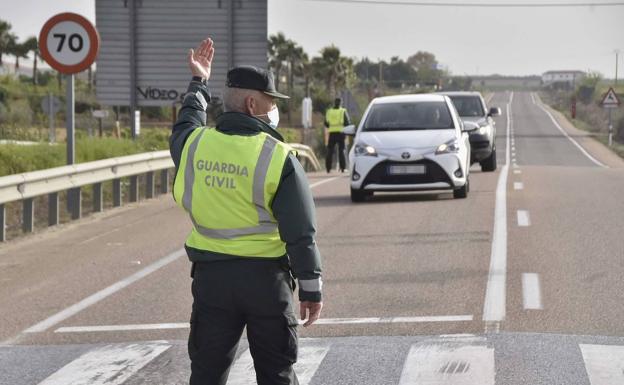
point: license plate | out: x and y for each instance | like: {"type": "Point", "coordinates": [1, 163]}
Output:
{"type": "Point", "coordinates": [407, 169]}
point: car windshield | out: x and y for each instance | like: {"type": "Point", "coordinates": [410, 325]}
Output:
{"type": "Point", "coordinates": [468, 105]}
{"type": "Point", "coordinates": [408, 116]}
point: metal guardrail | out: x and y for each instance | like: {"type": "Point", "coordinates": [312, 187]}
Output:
{"type": "Point", "coordinates": [306, 153]}
{"type": "Point", "coordinates": [25, 187]}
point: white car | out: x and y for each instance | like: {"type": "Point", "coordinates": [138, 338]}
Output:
{"type": "Point", "coordinates": [409, 143]}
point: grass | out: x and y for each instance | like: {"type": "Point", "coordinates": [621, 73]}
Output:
{"type": "Point", "coordinates": [15, 159]}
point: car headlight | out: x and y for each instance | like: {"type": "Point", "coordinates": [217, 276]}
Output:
{"type": "Point", "coordinates": [450, 147]}
{"type": "Point", "coordinates": [483, 128]}
{"type": "Point", "coordinates": [362, 149]}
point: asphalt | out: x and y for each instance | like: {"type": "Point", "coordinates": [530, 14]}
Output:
{"type": "Point", "coordinates": [398, 255]}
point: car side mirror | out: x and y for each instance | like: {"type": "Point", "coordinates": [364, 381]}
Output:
{"type": "Point", "coordinates": [495, 111]}
{"type": "Point", "coordinates": [349, 130]}
{"type": "Point", "coordinates": [469, 127]}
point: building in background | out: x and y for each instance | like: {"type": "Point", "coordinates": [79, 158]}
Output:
{"type": "Point", "coordinates": [567, 78]}
{"type": "Point", "coordinates": [144, 43]}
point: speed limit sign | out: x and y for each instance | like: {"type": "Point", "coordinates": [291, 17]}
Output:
{"type": "Point", "coordinates": [69, 43]}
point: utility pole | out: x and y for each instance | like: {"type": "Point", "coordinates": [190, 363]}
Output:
{"type": "Point", "coordinates": [380, 76]}
{"type": "Point", "coordinates": [617, 53]}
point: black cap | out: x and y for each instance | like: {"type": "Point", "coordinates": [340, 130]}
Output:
{"type": "Point", "coordinates": [253, 78]}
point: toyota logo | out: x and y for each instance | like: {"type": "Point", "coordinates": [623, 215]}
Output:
{"type": "Point", "coordinates": [405, 155]}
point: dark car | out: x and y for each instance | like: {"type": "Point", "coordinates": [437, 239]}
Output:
{"type": "Point", "coordinates": [473, 112]}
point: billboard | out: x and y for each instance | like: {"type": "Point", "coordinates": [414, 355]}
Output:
{"type": "Point", "coordinates": [144, 44]}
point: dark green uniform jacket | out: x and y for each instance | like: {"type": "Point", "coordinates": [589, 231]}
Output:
{"type": "Point", "coordinates": [292, 206]}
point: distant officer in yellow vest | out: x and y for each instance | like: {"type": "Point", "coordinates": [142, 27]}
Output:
{"type": "Point", "coordinates": [253, 226]}
{"type": "Point", "coordinates": [336, 119]}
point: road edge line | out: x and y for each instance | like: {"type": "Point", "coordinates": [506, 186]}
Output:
{"type": "Point", "coordinates": [495, 293]}
{"type": "Point", "coordinates": [539, 103]}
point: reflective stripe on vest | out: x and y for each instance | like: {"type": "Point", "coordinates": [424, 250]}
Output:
{"type": "Point", "coordinates": [335, 119]}
{"type": "Point", "coordinates": [266, 224]}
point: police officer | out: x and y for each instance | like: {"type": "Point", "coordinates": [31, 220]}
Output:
{"type": "Point", "coordinates": [336, 119]}
{"type": "Point", "coordinates": [253, 226]}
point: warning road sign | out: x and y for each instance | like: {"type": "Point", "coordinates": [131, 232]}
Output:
{"type": "Point", "coordinates": [610, 100]}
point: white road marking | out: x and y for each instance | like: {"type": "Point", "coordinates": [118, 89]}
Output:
{"type": "Point", "coordinates": [309, 359]}
{"type": "Point", "coordinates": [110, 364]}
{"type": "Point", "coordinates": [604, 364]}
{"type": "Point", "coordinates": [517, 171]}
{"type": "Point", "coordinates": [383, 320]}
{"type": "Point", "coordinates": [115, 328]}
{"type": "Point", "coordinates": [322, 321]}
{"type": "Point", "coordinates": [324, 181]}
{"type": "Point", "coordinates": [518, 185]}
{"type": "Point", "coordinates": [495, 294]}
{"type": "Point", "coordinates": [448, 363]}
{"type": "Point", "coordinates": [574, 142]}
{"type": "Point", "coordinates": [524, 220]}
{"type": "Point", "coordinates": [531, 293]}
{"type": "Point", "coordinates": [100, 295]}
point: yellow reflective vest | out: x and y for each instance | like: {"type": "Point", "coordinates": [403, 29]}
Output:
{"type": "Point", "coordinates": [335, 119]}
{"type": "Point", "coordinates": [227, 183]}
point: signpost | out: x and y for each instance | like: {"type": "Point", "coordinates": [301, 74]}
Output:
{"type": "Point", "coordinates": [100, 114]}
{"type": "Point", "coordinates": [51, 105]}
{"type": "Point", "coordinates": [69, 43]}
{"type": "Point", "coordinates": [610, 101]}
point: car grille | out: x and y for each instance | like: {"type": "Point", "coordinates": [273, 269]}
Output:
{"type": "Point", "coordinates": [479, 145]}
{"type": "Point", "coordinates": [433, 173]}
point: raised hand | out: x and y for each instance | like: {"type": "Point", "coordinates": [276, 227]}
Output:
{"type": "Point", "coordinates": [200, 59]}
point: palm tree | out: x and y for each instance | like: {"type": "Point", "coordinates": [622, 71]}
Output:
{"type": "Point", "coordinates": [295, 57]}
{"type": "Point", "coordinates": [333, 67]}
{"type": "Point", "coordinates": [277, 55]}
{"type": "Point", "coordinates": [18, 50]}
{"type": "Point", "coordinates": [5, 33]}
{"type": "Point", "coordinates": [32, 45]}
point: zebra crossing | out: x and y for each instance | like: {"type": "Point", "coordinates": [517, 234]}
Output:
{"type": "Point", "coordinates": [501, 359]}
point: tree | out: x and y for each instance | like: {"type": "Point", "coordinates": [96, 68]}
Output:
{"type": "Point", "coordinates": [31, 44]}
{"type": "Point", "coordinates": [333, 68]}
{"type": "Point", "coordinates": [277, 55]}
{"type": "Point", "coordinates": [17, 49]}
{"type": "Point", "coordinates": [426, 67]}
{"type": "Point", "coordinates": [5, 36]}
{"type": "Point", "coordinates": [295, 57]}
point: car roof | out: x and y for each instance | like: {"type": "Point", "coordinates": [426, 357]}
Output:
{"type": "Point", "coordinates": [460, 93]}
{"type": "Point", "coordinates": [410, 98]}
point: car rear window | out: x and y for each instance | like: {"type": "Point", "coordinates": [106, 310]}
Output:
{"type": "Point", "coordinates": [408, 116]}
{"type": "Point", "coordinates": [468, 105]}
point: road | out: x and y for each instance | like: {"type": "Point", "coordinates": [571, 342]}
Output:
{"type": "Point", "coordinates": [520, 283]}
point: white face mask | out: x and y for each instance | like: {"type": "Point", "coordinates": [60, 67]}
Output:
{"type": "Point", "coordinates": [273, 116]}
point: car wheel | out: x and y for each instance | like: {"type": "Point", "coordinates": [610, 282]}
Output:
{"type": "Point", "coordinates": [359, 195]}
{"type": "Point", "coordinates": [489, 164]}
{"type": "Point", "coordinates": [462, 192]}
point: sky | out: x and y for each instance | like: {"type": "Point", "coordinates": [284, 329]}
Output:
{"type": "Point", "coordinates": [468, 41]}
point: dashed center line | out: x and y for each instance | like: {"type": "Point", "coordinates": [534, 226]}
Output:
{"type": "Point", "coordinates": [532, 296]}
{"type": "Point", "coordinates": [518, 186]}
{"type": "Point", "coordinates": [523, 218]}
